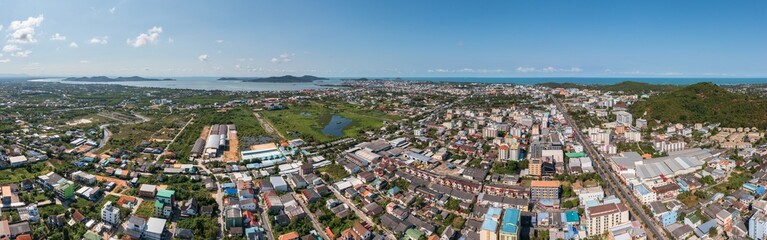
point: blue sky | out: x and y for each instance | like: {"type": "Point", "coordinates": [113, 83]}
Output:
{"type": "Point", "coordinates": [385, 38]}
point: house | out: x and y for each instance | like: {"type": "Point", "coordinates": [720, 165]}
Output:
{"type": "Point", "coordinates": [279, 183]}
{"type": "Point", "coordinates": [155, 229]}
{"type": "Point", "coordinates": [147, 190]}
{"type": "Point", "coordinates": [135, 227]}
{"type": "Point", "coordinates": [289, 236]}
{"type": "Point", "coordinates": [311, 195]}
{"type": "Point", "coordinates": [233, 216]}
{"type": "Point", "coordinates": [183, 233]}
{"type": "Point", "coordinates": [188, 208]}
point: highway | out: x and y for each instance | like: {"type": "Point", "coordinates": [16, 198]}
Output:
{"type": "Point", "coordinates": [654, 231]}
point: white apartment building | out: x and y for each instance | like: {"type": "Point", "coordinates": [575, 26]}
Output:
{"type": "Point", "coordinates": [110, 213]}
{"type": "Point", "coordinates": [599, 219]}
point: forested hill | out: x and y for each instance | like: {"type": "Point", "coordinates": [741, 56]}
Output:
{"type": "Point", "coordinates": [627, 87]}
{"type": "Point", "coordinates": [704, 102]}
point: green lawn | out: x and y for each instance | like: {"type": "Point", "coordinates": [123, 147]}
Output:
{"type": "Point", "coordinates": [146, 209]}
{"type": "Point", "coordinates": [308, 120]}
{"type": "Point", "coordinates": [16, 175]}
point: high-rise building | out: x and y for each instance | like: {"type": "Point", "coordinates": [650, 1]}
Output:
{"type": "Point", "coordinates": [624, 118]}
{"type": "Point", "coordinates": [534, 167]}
{"type": "Point", "coordinates": [503, 152]}
{"type": "Point", "coordinates": [601, 218]}
{"type": "Point", "coordinates": [510, 225]}
{"type": "Point", "coordinates": [757, 226]}
{"type": "Point", "coordinates": [544, 190]}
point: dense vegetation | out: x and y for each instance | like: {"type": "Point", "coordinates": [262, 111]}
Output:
{"type": "Point", "coordinates": [626, 87]}
{"type": "Point", "coordinates": [704, 102]}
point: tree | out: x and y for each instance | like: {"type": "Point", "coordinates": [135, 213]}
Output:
{"type": "Point", "coordinates": [712, 232]}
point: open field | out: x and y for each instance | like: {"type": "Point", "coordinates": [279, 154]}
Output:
{"type": "Point", "coordinates": [247, 126]}
{"type": "Point", "coordinates": [308, 120]}
{"type": "Point", "coordinates": [130, 136]}
{"type": "Point", "coordinates": [233, 154]}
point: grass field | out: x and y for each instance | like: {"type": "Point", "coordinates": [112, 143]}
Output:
{"type": "Point", "coordinates": [308, 120]}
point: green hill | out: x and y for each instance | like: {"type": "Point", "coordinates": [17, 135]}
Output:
{"type": "Point", "coordinates": [704, 102]}
{"type": "Point", "coordinates": [626, 86]}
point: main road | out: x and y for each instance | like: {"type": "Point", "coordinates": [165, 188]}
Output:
{"type": "Point", "coordinates": [613, 184]}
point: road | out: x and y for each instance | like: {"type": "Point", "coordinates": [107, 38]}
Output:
{"type": "Point", "coordinates": [362, 215]}
{"type": "Point", "coordinates": [268, 126]}
{"type": "Point", "coordinates": [174, 138]}
{"type": "Point", "coordinates": [612, 181]}
{"type": "Point", "coordinates": [316, 223]}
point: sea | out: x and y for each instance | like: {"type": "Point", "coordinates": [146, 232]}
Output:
{"type": "Point", "coordinates": [211, 83]}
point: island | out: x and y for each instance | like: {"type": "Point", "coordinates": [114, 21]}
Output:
{"type": "Point", "coordinates": [278, 79]}
{"type": "Point", "coordinates": [118, 79]}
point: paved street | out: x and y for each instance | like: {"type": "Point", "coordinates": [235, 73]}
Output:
{"type": "Point", "coordinates": [316, 223]}
{"type": "Point", "coordinates": [613, 184]}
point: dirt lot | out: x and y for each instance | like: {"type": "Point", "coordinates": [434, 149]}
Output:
{"type": "Point", "coordinates": [204, 132]}
{"type": "Point", "coordinates": [233, 154]}
{"type": "Point", "coordinates": [120, 184]}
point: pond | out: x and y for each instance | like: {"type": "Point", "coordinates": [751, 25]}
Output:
{"type": "Point", "coordinates": [336, 126]}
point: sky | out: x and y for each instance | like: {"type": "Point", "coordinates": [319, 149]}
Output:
{"type": "Point", "coordinates": [385, 38]}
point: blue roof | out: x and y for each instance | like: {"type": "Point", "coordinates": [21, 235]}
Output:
{"type": "Point", "coordinates": [491, 219]}
{"type": "Point", "coordinates": [642, 189]}
{"type": "Point", "coordinates": [749, 186]}
{"type": "Point", "coordinates": [231, 191]}
{"type": "Point", "coordinates": [571, 216]}
{"type": "Point", "coordinates": [510, 221]}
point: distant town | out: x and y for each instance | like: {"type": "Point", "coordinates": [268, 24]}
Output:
{"type": "Point", "coordinates": [375, 159]}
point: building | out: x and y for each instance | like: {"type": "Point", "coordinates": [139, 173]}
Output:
{"type": "Point", "coordinates": [503, 152]}
{"type": "Point", "coordinates": [63, 187]}
{"type": "Point", "coordinates": [544, 190]}
{"type": "Point", "coordinates": [510, 225]}
{"type": "Point", "coordinates": [534, 167]}
{"type": "Point", "coordinates": [644, 194]}
{"type": "Point", "coordinates": [147, 190]}
{"type": "Point", "coordinates": [155, 229]}
{"type": "Point", "coordinates": [110, 213]}
{"type": "Point", "coordinates": [757, 226]}
{"type": "Point", "coordinates": [489, 230]}
{"type": "Point", "coordinates": [624, 118]}
{"type": "Point", "coordinates": [599, 219]}
{"type": "Point", "coordinates": [590, 193]}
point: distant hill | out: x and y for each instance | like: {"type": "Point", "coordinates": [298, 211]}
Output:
{"type": "Point", "coordinates": [279, 79]}
{"type": "Point", "coordinates": [627, 87]}
{"type": "Point", "coordinates": [118, 79]}
{"type": "Point", "coordinates": [704, 102]}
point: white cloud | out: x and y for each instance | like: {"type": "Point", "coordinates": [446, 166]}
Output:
{"type": "Point", "coordinates": [99, 40]}
{"type": "Point", "coordinates": [21, 54]}
{"type": "Point", "coordinates": [203, 58]}
{"type": "Point", "coordinates": [24, 31]}
{"type": "Point", "coordinates": [85, 61]}
{"type": "Point", "coordinates": [5, 60]}
{"type": "Point", "coordinates": [11, 48]}
{"type": "Point", "coordinates": [171, 40]}
{"type": "Point", "coordinates": [151, 36]}
{"type": "Point", "coordinates": [112, 10]}
{"type": "Point", "coordinates": [1, 27]}
{"type": "Point", "coordinates": [58, 37]}
{"type": "Point", "coordinates": [73, 45]}
{"type": "Point", "coordinates": [548, 70]}
{"type": "Point", "coordinates": [283, 58]}
{"type": "Point", "coordinates": [219, 41]}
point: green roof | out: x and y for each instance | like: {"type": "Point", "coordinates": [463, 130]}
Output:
{"type": "Point", "coordinates": [165, 193]}
{"type": "Point", "coordinates": [575, 154]}
{"type": "Point", "coordinates": [158, 204]}
{"type": "Point", "coordinates": [90, 235]}
{"type": "Point", "coordinates": [413, 233]}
